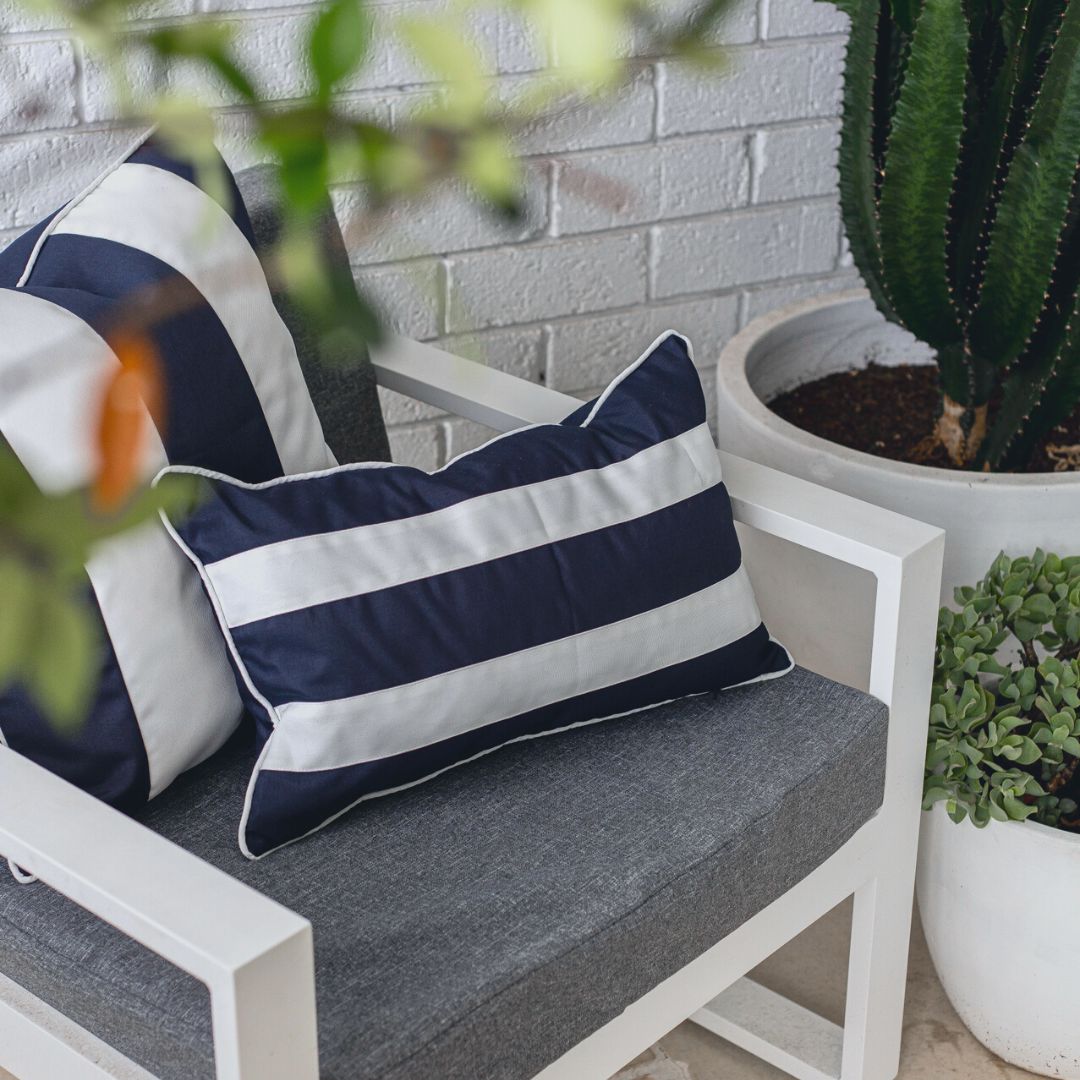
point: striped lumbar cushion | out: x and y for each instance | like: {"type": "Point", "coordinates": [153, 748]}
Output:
{"type": "Point", "coordinates": [387, 623]}
{"type": "Point", "coordinates": [236, 402]}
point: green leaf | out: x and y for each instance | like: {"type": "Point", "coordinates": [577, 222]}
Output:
{"type": "Point", "coordinates": [1033, 208]}
{"type": "Point", "coordinates": [858, 172]}
{"type": "Point", "coordinates": [920, 167]}
{"type": "Point", "coordinates": [987, 136]}
{"type": "Point", "coordinates": [64, 659]}
{"type": "Point", "coordinates": [206, 41]}
{"type": "Point", "coordinates": [340, 38]}
{"type": "Point", "coordinates": [16, 612]}
{"type": "Point", "coordinates": [442, 46]}
{"type": "Point", "coordinates": [905, 13]}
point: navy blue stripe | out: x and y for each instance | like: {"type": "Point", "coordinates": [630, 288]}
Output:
{"type": "Point", "coordinates": [287, 805]}
{"type": "Point", "coordinates": [662, 398]}
{"type": "Point", "coordinates": [200, 362]}
{"type": "Point", "coordinates": [105, 755]}
{"type": "Point", "coordinates": [477, 613]}
{"type": "Point", "coordinates": [14, 257]}
{"type": "Point", "coordinates": [151, 153]}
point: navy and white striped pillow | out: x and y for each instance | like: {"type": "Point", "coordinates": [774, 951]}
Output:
{"type": "Point", "coordinates": [236, 401]}
{"type": "Point", "coordinates": [387, 623]}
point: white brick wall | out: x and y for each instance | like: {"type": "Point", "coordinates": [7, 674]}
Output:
{"type": "Point", "coordinates": [693, 201]}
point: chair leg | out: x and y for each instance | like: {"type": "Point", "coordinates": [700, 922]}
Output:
{"type": "Point", "coordinates": [264, 1016]}
{"type": "Point", "coordinates": [877, 977]}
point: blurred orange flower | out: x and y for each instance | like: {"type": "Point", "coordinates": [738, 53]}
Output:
{"type": "Point", "coordinates": [134, 395]}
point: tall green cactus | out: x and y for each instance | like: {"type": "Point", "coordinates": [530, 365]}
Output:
{"type": "Point", "coordinates": [959, 160]}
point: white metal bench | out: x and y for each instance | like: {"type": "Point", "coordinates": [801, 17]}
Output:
{"type": "Point", "coordinates": [256, 957]}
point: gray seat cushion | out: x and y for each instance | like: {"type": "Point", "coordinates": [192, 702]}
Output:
{"type": "Point", "coordinates": [481, 924]}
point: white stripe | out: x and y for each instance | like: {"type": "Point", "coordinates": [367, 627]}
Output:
{"type": "Point", "coordinates": [53, 372]}
{"type": "Point", "coordinates": [309, 570]}
{"type": "Point", "coordinates": [169, 650]}
{"type": "Point", "coordinates": [331, 734]}
{"type": "Point", "coordinates": [53, 369]}
{"type": "Point", "coordinates": [155, 211]}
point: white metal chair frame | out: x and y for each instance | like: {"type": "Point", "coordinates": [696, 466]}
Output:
{"type": "Point", "coordinates": [255, 956]}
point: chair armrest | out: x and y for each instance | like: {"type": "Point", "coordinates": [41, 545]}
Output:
{"type": "Point", "coordinates": [815, 517]}
{"type": "Point", "coordinates": [253, 954]}
{"type": "Point", "coordinates": [466, 388]}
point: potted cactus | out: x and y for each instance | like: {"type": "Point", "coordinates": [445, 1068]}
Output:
{"type": "Point", "coordinates": [950, 388]}
{"type": "Point", "coordinates": [1003, 763]}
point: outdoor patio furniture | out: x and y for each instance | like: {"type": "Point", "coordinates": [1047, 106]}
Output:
{"type": "Point", "coordinates": [548, 911]}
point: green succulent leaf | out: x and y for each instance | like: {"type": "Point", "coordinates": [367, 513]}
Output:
{"type": "Point", "coordinates": [858, 170]}
{"type": "Point", "coordinates": [916, 195]}
{"type": "Point", "coordinates": [1033, 208]}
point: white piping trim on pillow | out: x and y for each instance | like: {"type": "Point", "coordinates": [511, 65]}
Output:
{"type": "Point", "coordinates": [35, 251]}
{"type": "Point", "coordinates": [17, 872]}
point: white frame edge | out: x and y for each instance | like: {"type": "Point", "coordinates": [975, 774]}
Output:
{"type": "Point", "coordinates": [256, 957]}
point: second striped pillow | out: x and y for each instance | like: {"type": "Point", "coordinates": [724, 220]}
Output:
{"type": "Point", "coordinates": [387, 624]}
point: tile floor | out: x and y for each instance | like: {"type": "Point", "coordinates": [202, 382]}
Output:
{"type": "Point", "coordinates": [811, 969]}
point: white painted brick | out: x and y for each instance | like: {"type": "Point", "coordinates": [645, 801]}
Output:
{"type": "Point", "coordinates": [37, 79]}
{"type": "Point", "coordinates": [770, 297]}
{"type": "Point", "coordinates": [419, 445]}
{"type": "Point", "coordinates": [8, 235]}
{"type": "Point", "coordinates": [462, 435]}
{"type": "Point", "coordinates": [271, 48]}
{"type": "Point", "coordinates": [625, 117]}
{"type": "Point", "coordinates": [42, 172]}
{"type": "Point", "coordinates": [607, 189]}
{"type": "Point", "coordinates": [235, 129]}
{"type": "Point", "coordinates": [17, 16]}
{"type": "Point", "coordinates": [745, 246]}
{"type": "Point", "coordinates": [519, 46]}
{"type": "Point", "coordinates": [800, 18]}
{"type": "Point", "coordinates": [518, 350]}
{"type": "Point", "coordinates": [408, 295]}
{"type": "Point", "coordinates": [796, 163]}
{"type": "Point", "coordinates": [738, 23]}
{"type": "Point", "coordinates": [447, 220]}
{"type": "Point", "coordinates": [591, 352]}
{"type": "Point", "coordinates": [639, 184]}
{"type": "Point", "coordinates": [402, 409]}
{"type": "Point", "coordinates": [523, 284]}
{"type": "Point", "coordinates": [765, 84]}
{"type": "Point", "coordinates": [702, 175]}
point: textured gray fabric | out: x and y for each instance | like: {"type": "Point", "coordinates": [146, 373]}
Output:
{"type": "Point", "coordinates": [343, 392]}
{"type": "Point", "coordinates": [481, 924]}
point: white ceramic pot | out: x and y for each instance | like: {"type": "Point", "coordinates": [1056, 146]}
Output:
{"type": "Point", "coordinates": [1000, 904]}
{"type": "Point", "coordinates": [982, 513]}
{"type": "Point", "coordinates": [999, 909]}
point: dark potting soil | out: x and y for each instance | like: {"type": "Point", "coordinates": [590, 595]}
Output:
{"type": "Point", "coordinates": [891, 412]}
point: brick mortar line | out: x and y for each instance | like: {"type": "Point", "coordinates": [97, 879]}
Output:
{"type": "Point", "coordinates": [550, 322]}
{"type": "Point", "coordinates": [542, 240]}
{"type": "Point", "coordinates": [360, 97]}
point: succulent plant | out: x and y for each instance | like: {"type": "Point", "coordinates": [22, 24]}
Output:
{"type": "Point", "coordinates": [958, 167]}
{"type": "Point", "coordinates": [1004, 740]}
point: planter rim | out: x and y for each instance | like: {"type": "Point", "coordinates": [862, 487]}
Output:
{"type": "Point", "coordinates": [731, 376]}
{"type": "Point", "coordinates": [1037, 832]}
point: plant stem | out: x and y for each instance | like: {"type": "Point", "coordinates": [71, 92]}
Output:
{"type": "Point", "coordinates": [961, 430]}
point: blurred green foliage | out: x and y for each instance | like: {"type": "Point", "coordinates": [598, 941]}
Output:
{"type": "Point", "coordinates": [49, 640]}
